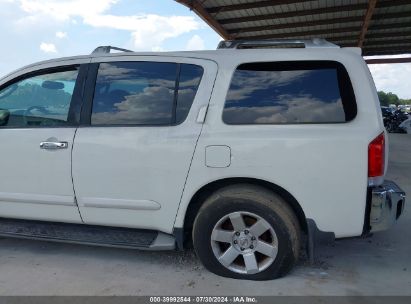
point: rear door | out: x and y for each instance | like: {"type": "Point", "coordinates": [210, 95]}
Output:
{"type": "Point", "coordinates": [133, 152]}
{"type": "Point", "coordinates": [38, 120]}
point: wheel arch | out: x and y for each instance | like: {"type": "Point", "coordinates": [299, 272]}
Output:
{"type": "Point", "coordinates": [205, 191]}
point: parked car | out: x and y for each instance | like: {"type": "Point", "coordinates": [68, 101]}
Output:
{"type": "Point", "coordinates": [240, 152]}
{"type": "Point", "coordinates": [405, 108]}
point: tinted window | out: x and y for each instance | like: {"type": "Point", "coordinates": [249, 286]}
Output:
{"type": "Point", "coordinates": [134, 93]}
{"type": "Point", "coordinates": [289, 93]}
{"type": "Point", "coordinates": [190, 76]}
{"type": "Point", "coordinates": [144, 93]}
{"type": "Point", "coordinates": [42, 100]}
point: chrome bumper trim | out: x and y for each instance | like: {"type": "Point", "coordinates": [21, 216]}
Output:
{"type": "Point", "coordinates": [387, 204]}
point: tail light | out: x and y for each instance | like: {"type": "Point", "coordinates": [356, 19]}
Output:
{"type": "Point", "coordinates": [376, 157]}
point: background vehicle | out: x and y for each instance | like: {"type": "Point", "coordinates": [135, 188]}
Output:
{"type": "Point", "coordinates": [229, 149]}
{"type": "Point", "coordinates": [386, 111]}
{"type": "Point", "coordinates": [406, 125]}
{"type": "Point", "coordinates": [405, 108]}
{"type": "Point", "coordinates": [393, 119]}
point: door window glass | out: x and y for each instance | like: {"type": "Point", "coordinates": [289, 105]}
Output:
{"type": "Point", "coordinates": [38, 101]}
{"type": "Point", "coordinates": [144, 93]}
{"type": "Point", "coordinates": [134, 93]}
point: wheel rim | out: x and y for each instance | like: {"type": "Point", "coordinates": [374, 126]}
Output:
{"type": "Point", "coordinates": [244, 242]}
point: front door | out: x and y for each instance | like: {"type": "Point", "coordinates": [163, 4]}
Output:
{"type": "Point", "coordinates": [131, 159]}
{"type": "Point", "coordinates": [37, 128]}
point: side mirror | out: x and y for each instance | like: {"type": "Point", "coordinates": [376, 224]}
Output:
{"type": "Point", "coordinates": [52, 85]}
{"type": "Point", "coordinates": [4, 117]}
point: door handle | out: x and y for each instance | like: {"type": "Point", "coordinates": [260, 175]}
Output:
{"type": "Point", "coordinates": [53, 145]}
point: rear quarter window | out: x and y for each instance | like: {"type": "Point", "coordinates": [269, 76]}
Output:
{"type": "Point", "coordinates": [309, 92]}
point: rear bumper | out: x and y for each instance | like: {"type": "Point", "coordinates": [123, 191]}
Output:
{"type": "Point", "coordinates": [387, 205]}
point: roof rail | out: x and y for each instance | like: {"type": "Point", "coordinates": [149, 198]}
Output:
{"type": "Point", "coordinates": [276, 43]}
{"type": "Point", "coordinates": [106, 49]}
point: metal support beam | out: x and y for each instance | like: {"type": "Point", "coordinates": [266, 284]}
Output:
{"type": "Point", "coordinates": [301, 34]}
{"type": "Point", "coordinates": [321, 33]}
{"type": "Point", "coordinates": [197, 7]}
{"type": "Point", "coordinates": [295, 25]}
{"type": "Point", "coordinates": [401, 33]}
{"type": "Point", "coordinates": [387, 50]}
{"type": "Point", "coordinates": [370, 44]}
{"type": "Point", "coordinates": [384, 38]}
{"type": "Point", "coordinates": [388, 60]}
{"type": "Point", "coordinates": [243, 6]}
{"type": "Point", "coordinates": [366, 23]}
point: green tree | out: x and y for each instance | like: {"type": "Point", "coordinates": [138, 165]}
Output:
{"type": "Point", "coordinates": [388, 98]}
{"type": "Point", "coordinates": [405, 101]}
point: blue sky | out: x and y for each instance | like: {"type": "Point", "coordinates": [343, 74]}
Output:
{"type": "Point", "coordinates": [34, 30]}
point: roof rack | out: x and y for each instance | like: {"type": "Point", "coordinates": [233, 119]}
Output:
{"type": "Point", "coordinates": [106, 49]}
{"type": "Point", "coordinates": [276, 43]}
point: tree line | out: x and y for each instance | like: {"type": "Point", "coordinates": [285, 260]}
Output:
{"type": "Point", "coordinates": [390, 98]}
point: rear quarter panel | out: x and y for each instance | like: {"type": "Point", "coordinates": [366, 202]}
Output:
{"type": "Point", "coordinates": [324, 166]}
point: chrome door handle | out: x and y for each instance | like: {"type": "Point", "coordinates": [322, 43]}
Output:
{"type": "Point", "coordinates": [53, 145]}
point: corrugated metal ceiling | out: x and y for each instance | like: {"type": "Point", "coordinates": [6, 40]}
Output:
{"type": "Point", "coordinates": [339, 21]}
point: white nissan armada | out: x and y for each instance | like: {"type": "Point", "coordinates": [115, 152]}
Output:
{"type": "Point", "coordinates": [248, 153]}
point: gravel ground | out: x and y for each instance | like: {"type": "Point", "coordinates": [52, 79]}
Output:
{"type": "Point", "coordinates": [380, 265]}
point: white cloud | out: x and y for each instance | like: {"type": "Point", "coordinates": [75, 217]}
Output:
{"type": "Point", "coordinates": [195, 43]}
{"type": "Point", "coordinates": [61, 35]}
{"type": "Point", "coordinates": [393, 78]}
{"type": "Point", "coordinates": [148, 31]}
{"type": "Point", "coordinates": [247, 82]}
{"type": "Point", "coordinates": [158, 49]}
{"type": "Point", "coordinates": [65, 9]}
{"type": "Point", "coordinates": [289, 109]}
{"type": "Point", "coordinates": [48, 47]}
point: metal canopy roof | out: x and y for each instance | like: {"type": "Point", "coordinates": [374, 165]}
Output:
{"type": "Point", "coordinates": [380, 27]}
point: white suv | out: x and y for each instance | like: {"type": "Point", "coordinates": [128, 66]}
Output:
{"type": "Point", "coordinates": [240, 152]}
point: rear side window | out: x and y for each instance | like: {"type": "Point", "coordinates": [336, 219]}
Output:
{"type": "Point", "coordinates": [290, 93]}
{"type": "Point", "coordinates": [144, 93]}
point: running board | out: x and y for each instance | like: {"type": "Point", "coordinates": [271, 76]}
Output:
{"type": "Point", "coordinates": [87, 234]}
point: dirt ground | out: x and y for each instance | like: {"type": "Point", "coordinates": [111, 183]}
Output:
{"type": "Point", "coordinates": [380, 265]}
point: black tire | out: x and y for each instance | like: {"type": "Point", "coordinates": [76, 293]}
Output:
{"type": "Point", "coordinates": [390, 127]}
{"type": "Point", "coordinates": [257, 200]}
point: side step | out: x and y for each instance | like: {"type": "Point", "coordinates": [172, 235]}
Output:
{"type": "Point", "coordinates": [87, 234]}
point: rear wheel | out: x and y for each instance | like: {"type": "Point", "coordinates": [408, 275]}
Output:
{"type": "Point", "coordinates": [246, 232]}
